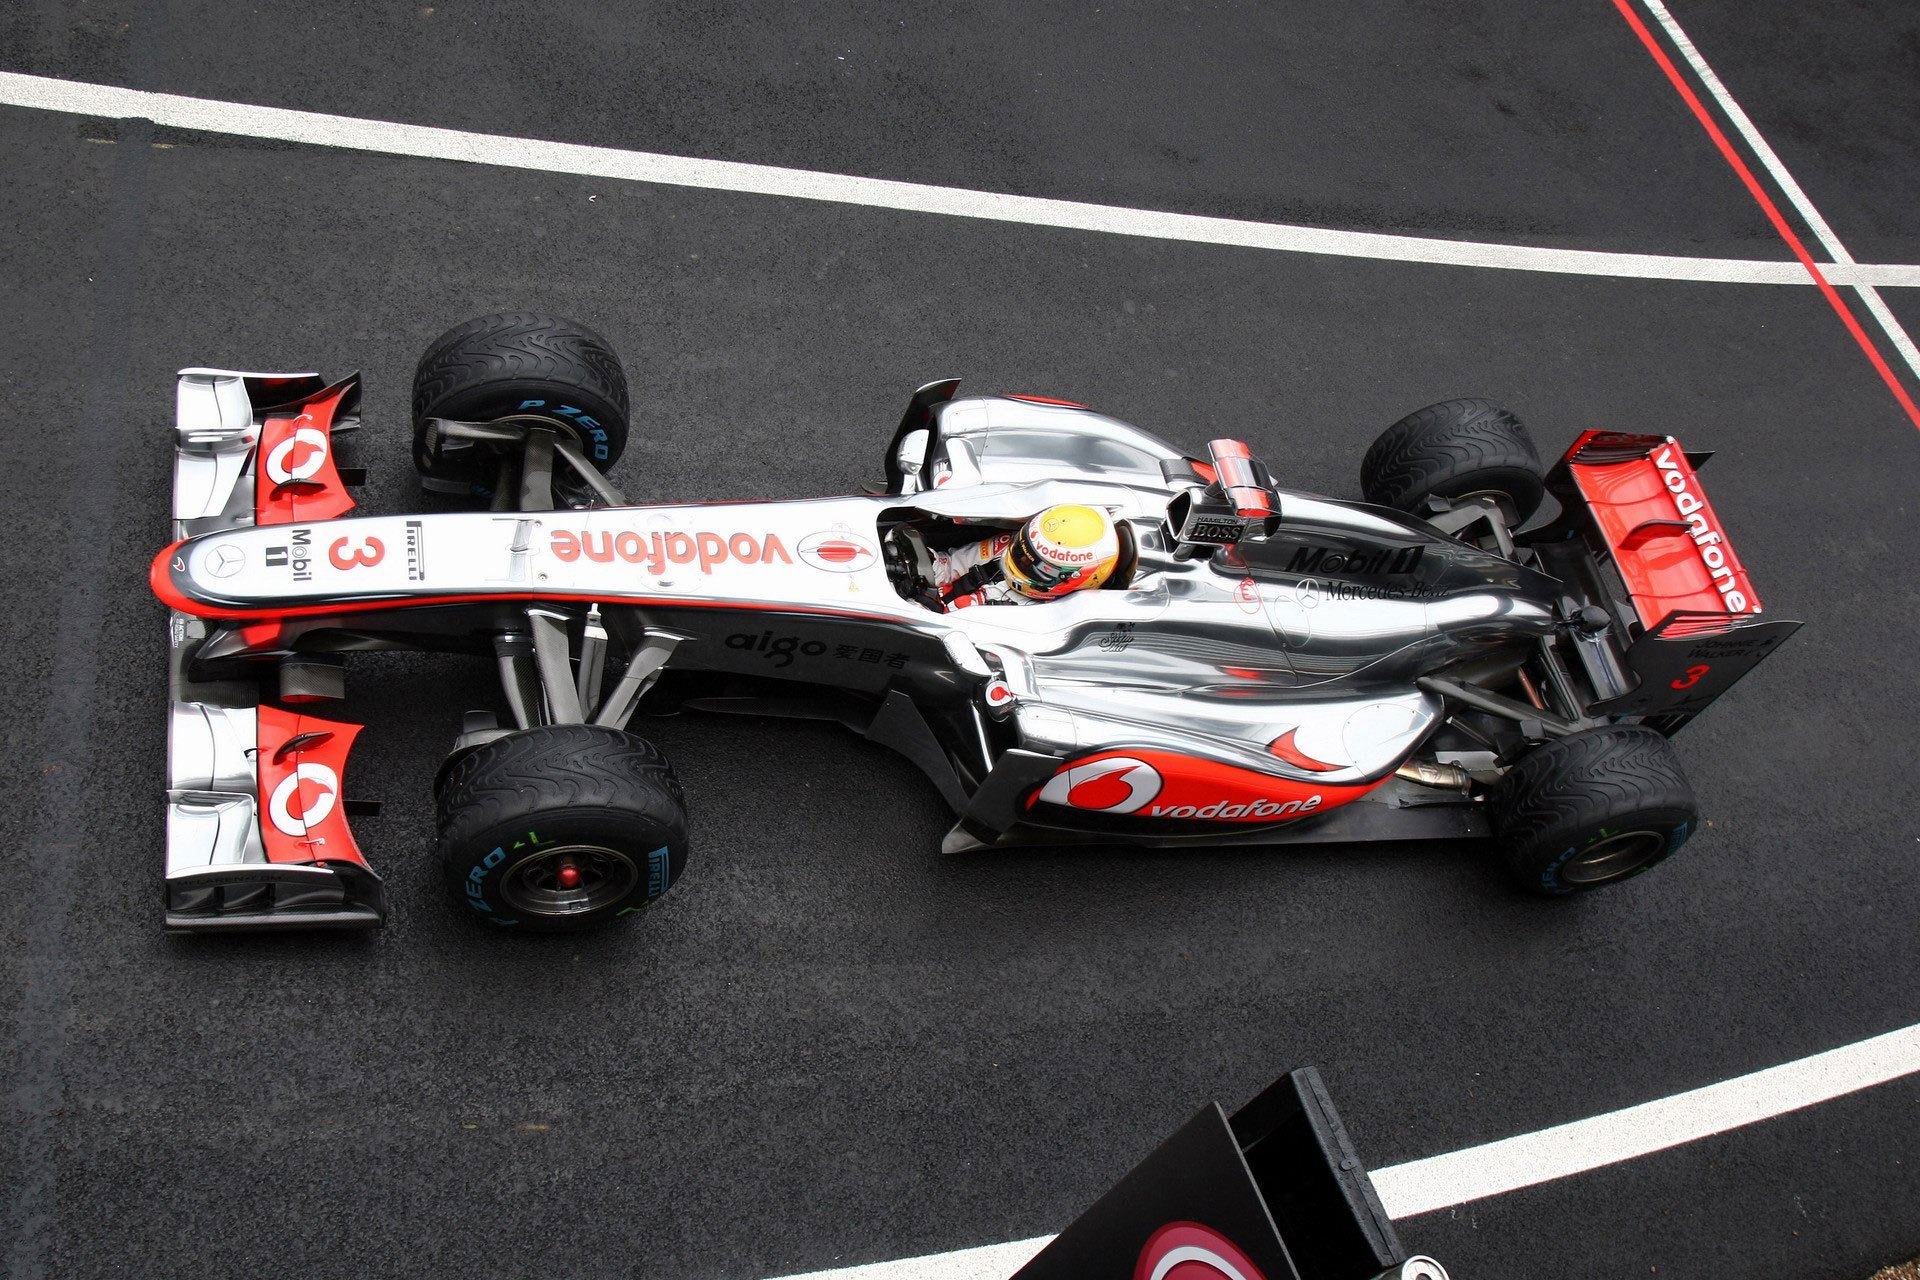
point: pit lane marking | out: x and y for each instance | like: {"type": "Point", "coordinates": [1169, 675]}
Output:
{"type": "Point", "coordinates": [1898, 336]}
{"type": "Point", "coordinates": [1527, 1159]}
{"type": "Point", "coordinates": [386, 137]}
{"type": "Point", "coordinates": [1785, 180]}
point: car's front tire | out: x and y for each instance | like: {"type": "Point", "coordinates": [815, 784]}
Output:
{"type": "Point", "coordinates": [562, 828]}
{"type": "Point", "coordinates": [516, 365]}
{"type": "Point", "coordinates": [1592, 809]}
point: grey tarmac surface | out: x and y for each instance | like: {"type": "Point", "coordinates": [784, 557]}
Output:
{"type": "Point", "coordinates": [830, 1044]}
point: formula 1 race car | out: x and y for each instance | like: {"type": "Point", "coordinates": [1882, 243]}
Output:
{"type": "Point", "coordinates": [1484, 648]}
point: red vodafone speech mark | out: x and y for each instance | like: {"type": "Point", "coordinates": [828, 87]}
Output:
{"type": "Point", "coordinates": [1769, 208]}
{"type": "Point", "coordinates": [1189, 1251]}
{"type": "Point", "coordinates": [304, 798]}
{"type": "Point", "coordinates": [298, 457]}
{"type": "Point", "coordinates": [1117, 784]}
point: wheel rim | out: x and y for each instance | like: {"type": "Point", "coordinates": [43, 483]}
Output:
{"type": "Point", "coordinates": [559, 426]}
{"type": "Point", "coordinates": [1614, 857]}
{"type": "Point", "coordinates": [570, 879]}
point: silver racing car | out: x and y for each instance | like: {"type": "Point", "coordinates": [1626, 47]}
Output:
{"type": "Point", "coordinates": [1485, 648]}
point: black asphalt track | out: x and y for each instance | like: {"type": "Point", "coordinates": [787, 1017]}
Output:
{"type": "Point", "coordinates": [830, 1044]}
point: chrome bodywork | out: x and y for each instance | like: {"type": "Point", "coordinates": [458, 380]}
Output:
{"type": "Point", "coordinates": [1318, 628]}
{"type": "Point", "coordinates": [1205, 656]}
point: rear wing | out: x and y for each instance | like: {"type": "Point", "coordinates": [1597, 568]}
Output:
{"type": "Point", "coordinates": [1685, 618]}
{"type": "Point", "coordinates": [256, 820]}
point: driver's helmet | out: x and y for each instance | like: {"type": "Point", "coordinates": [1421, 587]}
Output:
{"type": "Point", "coordinates": [1063, 549]}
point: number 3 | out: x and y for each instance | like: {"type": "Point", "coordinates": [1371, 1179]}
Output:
{"type": "Point", "coordinates": [370, 553]}
{"type": "Point", "coordinates": [1692, 677]}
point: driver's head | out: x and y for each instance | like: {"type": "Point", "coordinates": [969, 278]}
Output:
{"type": "Point", "coordinates": [1063, 549]}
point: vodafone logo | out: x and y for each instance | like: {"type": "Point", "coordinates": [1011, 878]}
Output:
{"type": "Point", "coordinates": [837, 552]}
{"type": "Point", "coordinates": [299, 457]}
{"type": "Point", "coordinates": [1118, 784]}
{"type": "Point", "coordinates": [312, 789]}
{"type": "Point", "coordinates": [1189, 1251]}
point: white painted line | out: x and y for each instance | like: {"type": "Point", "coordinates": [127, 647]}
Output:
{"type": "Point", "coordinates": [1771, 161]}
{"type": "Point", "coordinates": [389, 138]}
{"type": "Point", "coordinates": [1440, 1182]}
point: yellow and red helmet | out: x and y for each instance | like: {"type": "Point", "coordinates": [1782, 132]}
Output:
{"type": "Point", "coordinates": [1063, 549]}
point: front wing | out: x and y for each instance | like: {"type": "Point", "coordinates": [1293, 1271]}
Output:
{"type": "Point", "coordinates": [257, 832]}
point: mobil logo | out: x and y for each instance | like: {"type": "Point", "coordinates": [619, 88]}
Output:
{"type": "Point", "coordinates": [838, 551]}
{"type": "Point", "coordinates": [1116, 784]}
{"type": "Point", "coordinates": [304, 798]}
{"type": "Point", "coordinates": [1189, 1251]}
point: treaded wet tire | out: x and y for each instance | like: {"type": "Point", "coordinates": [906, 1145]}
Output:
{"type": "Point", "coordinates": [1450, 450]}
{"type": "Point", "coordinates": [1592, 809]}
{"type": "Point", "coordinates": [562, 828]}
{"type": "Point", "coordinates": [513, 363]}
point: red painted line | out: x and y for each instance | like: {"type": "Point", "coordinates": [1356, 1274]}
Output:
{"type": "Point", "coordinates": [1770, 209]}
{"type": "Point", "coordinates": [1070, 404]}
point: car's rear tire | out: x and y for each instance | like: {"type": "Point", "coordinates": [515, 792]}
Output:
{"type": "Point", "coordinates": [1455, 449]}
{"type": "Point", "coordinates": [516, 364]}
{"type": "Point", "coordinates": [1592, 809]}
{"type": "Point", "coordinates": [562, 828]}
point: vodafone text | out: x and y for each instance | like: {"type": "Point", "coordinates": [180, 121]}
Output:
{"type": "Point", "coordinates": [1705, 536]}
{"type": "Point", "coordinates": [1251, 809]}
{"type": "Point", "coordinates": [658, 550]}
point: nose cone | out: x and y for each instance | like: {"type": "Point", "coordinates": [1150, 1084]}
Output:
{"type": "Point", "coordinates": [162, 576]}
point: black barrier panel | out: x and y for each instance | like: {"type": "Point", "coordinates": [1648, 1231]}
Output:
{"type": "Point", "coordinates": [1314, 1185]}
{"type": "Point", "coordinates": [1275, 1194]}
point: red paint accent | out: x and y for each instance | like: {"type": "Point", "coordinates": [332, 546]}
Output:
{"type": "Point", "coordinates": [1205, 471]}
{"type": "Point", "coordinates": [1103, 792]}
{"type": "Point", "coordinates": [568, 877]}
{"type": "Point", "coordinates": [1666, 568]}
{"type": "Point", "coordinates": [1206, 788]}
{"type": "Point", "coordinates": [1770, 209]}
{"type": "Point", "coordinates": [259, 635]}
{"type": "Point", "coordinates": [325, 840]}
{"type": "Point", "coordinates": [1068, 404]}
{"type": "Point", "coordinates": [1208, 1255]}
{"type": "Point", "coordinates": [1283, 747]}
{"type": "Point", "coordinates": [1233, 463]}
{"type": "Point", "coordinates": [320, 496]}
{"type": "Point", "coordinates": [1245, 673]}
{"type": "Point", "coordinates": [840, 552]}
